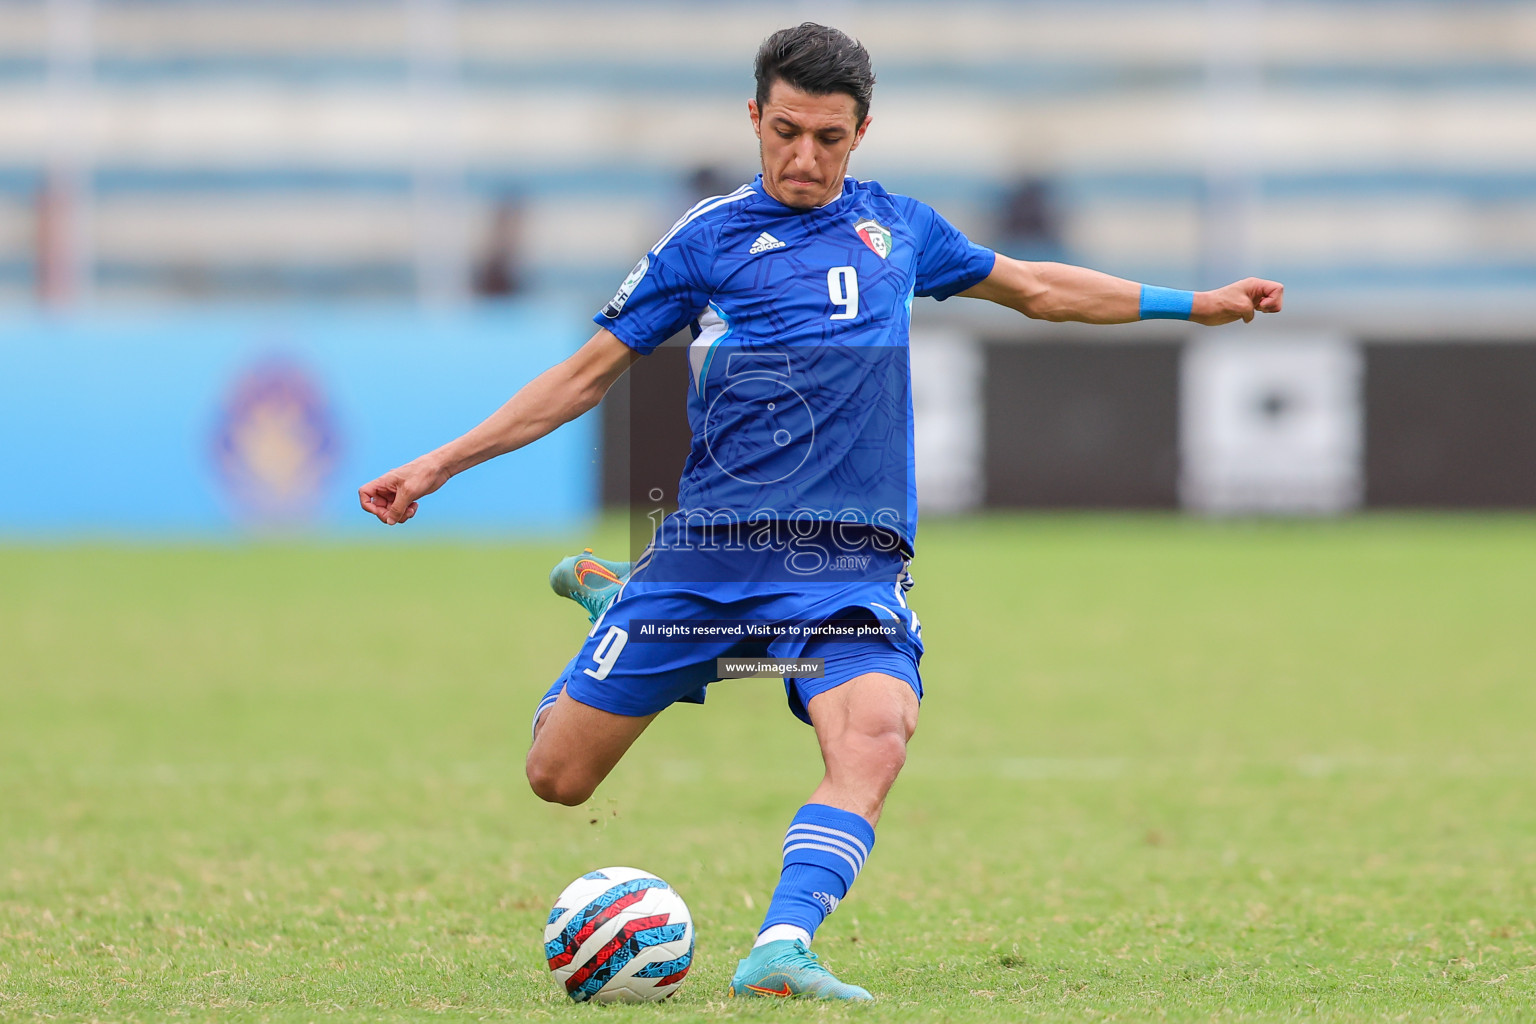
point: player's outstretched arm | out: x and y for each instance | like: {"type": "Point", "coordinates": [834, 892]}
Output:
{"type": "Point", "coordinates": [558, 395]}
{"type": "Point", "coordinates": [1061, 292]}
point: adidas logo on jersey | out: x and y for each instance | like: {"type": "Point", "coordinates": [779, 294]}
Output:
{"type": "Point", "coordinates": [764, 242]}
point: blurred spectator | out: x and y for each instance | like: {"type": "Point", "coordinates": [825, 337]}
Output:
{"type": "Point", "coordinates": [1030, 227]}
{"type": "Point", "coordinates": [53, 248]}
{"type": "Point", "coordinates": [498, 271]}
{"type": "Point", "coordinates": [709, 180]}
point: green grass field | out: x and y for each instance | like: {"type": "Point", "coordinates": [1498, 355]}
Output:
{"type": "Point", "coordinates": [1166, 770]}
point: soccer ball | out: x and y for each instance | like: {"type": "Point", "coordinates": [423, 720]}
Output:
{"type": "Point", "coordinates": [619, 935]}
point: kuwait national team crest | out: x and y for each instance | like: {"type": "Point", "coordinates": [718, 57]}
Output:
{"type": "Point", "coordinates": [875, 236]}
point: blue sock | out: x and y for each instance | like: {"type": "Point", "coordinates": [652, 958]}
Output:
{"type": "Point", "coordinates": [823, 852]}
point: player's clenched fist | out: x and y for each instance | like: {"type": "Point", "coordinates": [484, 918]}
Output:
{"type": "Point", "coordinates": [1237, 301]}
{"type": "Point", "coordinates": [393, 496]}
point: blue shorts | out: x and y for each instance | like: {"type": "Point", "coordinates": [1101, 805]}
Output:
{"type": "Point", "coordinates": [623, 670]}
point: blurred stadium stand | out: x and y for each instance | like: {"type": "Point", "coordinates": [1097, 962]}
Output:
{"type": "Point", "coordinates": [1378, 156]}
{"type": "Point", "coordinates": [355, 150]}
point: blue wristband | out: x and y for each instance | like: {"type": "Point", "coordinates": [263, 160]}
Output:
{"type": "Point", "coordinates": [1165, 303]}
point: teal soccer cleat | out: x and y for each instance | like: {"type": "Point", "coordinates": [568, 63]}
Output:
{"type": "Point", "coordinates": [786, 969]}
{"type": "Point", "coordinates": [590, 581]}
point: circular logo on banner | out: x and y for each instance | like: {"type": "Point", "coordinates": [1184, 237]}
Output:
{"type": "Point", "coordinates": [275, 444]}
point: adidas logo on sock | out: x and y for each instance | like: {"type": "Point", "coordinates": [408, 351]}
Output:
{"type": "Point", "coordinates": [764, 242]}
{"type": "Point", "coordinates": [826, 899]}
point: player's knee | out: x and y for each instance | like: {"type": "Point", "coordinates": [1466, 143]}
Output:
{"type": "Point", "coordinates": [880, 749]}
{"type": "Point", "coordinates": [554, 784]}
{"type": "Point", "coordinates": [891, 748]}
{"type": "Point", "coordinates": [892, 730]}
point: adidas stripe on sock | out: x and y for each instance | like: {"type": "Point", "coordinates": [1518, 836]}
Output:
{"type": "Point", "coordinates": [823, 851]}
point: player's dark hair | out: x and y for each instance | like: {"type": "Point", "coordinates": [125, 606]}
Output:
{"type": "Point", "coordinates": [815, 59]}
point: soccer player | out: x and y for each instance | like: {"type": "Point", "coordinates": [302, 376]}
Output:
{"type": "Point", "coordinates": [796, 509]}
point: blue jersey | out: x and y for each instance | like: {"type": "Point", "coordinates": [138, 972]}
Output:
{"type": "Point", "coordinates": [800, 400]}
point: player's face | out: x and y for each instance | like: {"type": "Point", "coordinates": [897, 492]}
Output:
{"type": "Point", "coordinates": [805, 142]}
